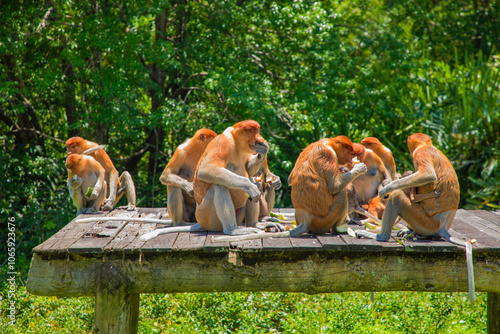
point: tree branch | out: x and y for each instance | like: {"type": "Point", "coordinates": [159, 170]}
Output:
{"type": "Point", "coordinates": [39, 133]}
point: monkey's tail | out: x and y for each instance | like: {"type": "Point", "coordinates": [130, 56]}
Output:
{"type": "Point", "coordinates": [470, 265]}
{"type": "Point", "coordinates": [362, 211]}
{"type": "Point", "coordinates": [124, 219]}
{"type": "Point", "coordinates": [175, 229]}
{"type": "Point", "coordinates": [93, 149]}
{"type": "Point", "coordinates": [299, 230]}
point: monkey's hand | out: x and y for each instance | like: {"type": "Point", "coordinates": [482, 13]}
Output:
{"type": "Point", "coordinates": [385, 182]}
{"type": "Point", "coordinates": [385, 191]}
{"type": "Point", "coordinates": [256, 180]}
{"type": "Point", "coordinates": [94, 195]}
{"type": "Point", "coordinates": [359, 169]}
{"type": "Point", "coordinates": [276, 182]}
{"type": "Point", "coordinates": [74, 182]}
{"type": "Point", "coordinates": [188, 187]}
{"type": "Point", "coordinates": [261, 148]}
{"type": "Point", "coordinates": [252, 191]}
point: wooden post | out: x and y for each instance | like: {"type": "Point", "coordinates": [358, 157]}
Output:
{"type": "Point", "coordinates": [493, 312]}
{"type": "Point", "coordinates": [116, 309]}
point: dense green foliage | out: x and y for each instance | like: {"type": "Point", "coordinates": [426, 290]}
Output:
{"type": "Point", "coordinates": [142, 76]}
{"type": "Point", "coordinates": [390, 312]}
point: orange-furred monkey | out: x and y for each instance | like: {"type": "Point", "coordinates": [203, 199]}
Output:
{"type": "Point", "coordinates": [85, 183]}
{"type": "Point", "coordinates": [267, 183]}
{"type": "Point", "coordinates": [319, 193]}
{"type": "Point", "coordinates": [367, 185]}
{"type": "Point", "coordinates": [222, 184]}
{"type": "Point", "coordinates": [383, 152]}
{"type": "Point", "coordinates": [116, 186]}
{"type": "Point", "coordinates": [437, 189]}
{"type": "Point", "coordinates": [178, 176]}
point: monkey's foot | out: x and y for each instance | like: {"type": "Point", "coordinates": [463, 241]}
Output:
{"type": "Point", "coordinates": [108, 205]}
{"type": "Point", "coordinates": [383, 237]}
{"type": "Point", "coordinates": [405, 233]}
{"type": "Point", "coordinates": [242, 231]}
{"type": "Point", "coordinates": [87, 211]}
{"type": "Point", "coordinates": [130, 207]}
{"type": "Point", "coordinates": [265, 225]}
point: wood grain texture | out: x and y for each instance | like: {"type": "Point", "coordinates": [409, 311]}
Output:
{"type": "Point", "coordinates": [303, 271]}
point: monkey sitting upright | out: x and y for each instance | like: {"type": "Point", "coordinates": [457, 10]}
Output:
{"type": "Point", "coordinates": [116, 186]}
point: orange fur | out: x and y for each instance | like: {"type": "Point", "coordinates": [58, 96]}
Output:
{"type": "Point", "coordinates": [423, 152]}
{"type": "Point", "coordinates": [319, 193]}
{"type": "Point", "coordinates": [78, 145]}
{"type": "Point", "coordinates": [115, 188]}
{"type": "Point", "coordinates": [375, 206]}
{"type": "Point", "coordinates": [179, 174]}
{"type": "Point", "coordinates": [224, 163]}
{"type": "Point", "coordinates": [83, 173]}
{"type": "Point", "coordinates": [383, 152]}
{"type": "Point", "coordinates": [434, 172]}
{"type": "Point", "coordinates": [368, 184]}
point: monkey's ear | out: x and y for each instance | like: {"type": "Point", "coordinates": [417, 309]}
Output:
{"type": "Point", "coordinates": [202, 136]}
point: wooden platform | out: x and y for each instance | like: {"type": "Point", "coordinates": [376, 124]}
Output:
{"type": "Point", "coordinates": [123, 237]}
{"type": "Point", "coordinates": [108, 260]}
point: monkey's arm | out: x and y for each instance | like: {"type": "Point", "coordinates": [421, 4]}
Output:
{"type": "Point", "coordinates": [75, 191]}
{"type": "Point", "coordinates": [336, 184]}
{"type": "Point", "coordinates": [213, 172]}
{"type": "Point", "coordinates": [98, 185]}
{"type": "Point", "coordinates": [424, 175]}
{"type": "Point", "coordinates": [255, 161]}
{"type": "Point", "coordinates": [170, 178]}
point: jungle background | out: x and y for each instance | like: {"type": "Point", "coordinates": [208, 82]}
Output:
{"type": "Point", "coordinates": [142, 76]}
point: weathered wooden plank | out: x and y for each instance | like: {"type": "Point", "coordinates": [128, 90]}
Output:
{"type": "Point", "coordinates": [311, 272]}
{"type": "Point", "coordinates": [467, 227]}
{"type": "Point", "coordinates": [306, 243]}
{"type": "Point", "coordinates": [136, 243]}
{"type": "Point", "coordinates": [68, 235]}
{"type": "Point", "coordinates": [128, 233]}
{"type": "Point", "coordinates": [480, 223]}
{"type": "Point", "coordinates": [157, 212]}
{"type": "Point", "coordinates": [493, 313]}
{"type": "Point", "coordinates": [99, 235]}
{"type": "Point", "coordinates": [247, 245]}
{"type": "Point", "coordinates": [190, 241]}
{"type": "Point", "coordinates": [492, 217]}
{"type": "Point", "coordinates": [162, 243]}
{"type": "Point", "coordinates": [332, 242]}
{"type": "Point", "coordinates": [211, 246]}
{"type": "Point", "coordinates": [276, 244]}
{"type": "Point", "coordinates": [361, 244]}
{"type": "Point", "coordinates": [116, 309]}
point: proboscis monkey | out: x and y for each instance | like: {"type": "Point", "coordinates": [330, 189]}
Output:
{"type": "Point", "coordinates": [116, 186]}
{"type": "Point", "coordinates": [319, 193]}
{"type": "Point", "coordinates": [383, 152]}
{"type": "Point", "coordinates": [354, 206]}
{"type": "Point", "coordinates": [268, 183]}
{"type": "Point", "coordinates": [375, 207]}
{"type": "Point", "coordinates": [178, 176]}
{"type": "Point", "coordinates": [435, 202]}
{"type": "Point", "coordinates": [222, 184]}
{"type": "Point", "coordinates": [367, 185]}
{"type": "Point", "coordinates": [85, 183]}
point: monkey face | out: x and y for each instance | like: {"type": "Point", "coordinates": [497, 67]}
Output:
{"type": "Point", "coordinates": [73, 145]}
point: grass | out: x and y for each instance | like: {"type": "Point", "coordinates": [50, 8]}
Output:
{"type": "Point", "coordinates": [390, 312]}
